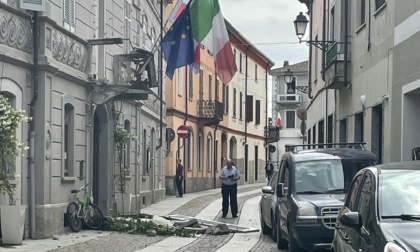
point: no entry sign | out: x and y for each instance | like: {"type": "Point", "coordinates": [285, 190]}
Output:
{"type": "Point", "coordinates": [183, 131]}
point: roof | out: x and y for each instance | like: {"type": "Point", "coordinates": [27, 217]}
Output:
{"type": "Point", "coordinates": [295, 68]}
{"type": "Point", "coordinates": [333, 153]}
{"type": "Point", "coordinates": [404, 165]}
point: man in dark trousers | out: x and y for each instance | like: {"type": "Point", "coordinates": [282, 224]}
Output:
{"type": "Point", "coordinates": [179, 177]}
{"type": "Point", "coordinates": [229, 175]}
{"type": "Point", "coordinates": [269, 168]}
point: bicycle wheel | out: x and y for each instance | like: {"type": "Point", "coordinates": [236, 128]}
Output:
{"type": "Point", "coordinates": [93, 216]}
{"type": "Point", "coordinates": [75, 222]}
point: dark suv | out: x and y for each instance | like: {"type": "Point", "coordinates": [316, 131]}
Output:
{"type": "Point", "coordinates": [301, 202]}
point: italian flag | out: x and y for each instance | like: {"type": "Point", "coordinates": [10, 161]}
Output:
{"type": "Point", "coordinates": [209, 29]}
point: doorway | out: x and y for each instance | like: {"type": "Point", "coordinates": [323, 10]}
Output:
{"type": "Point", "coordinates": [101, 191]}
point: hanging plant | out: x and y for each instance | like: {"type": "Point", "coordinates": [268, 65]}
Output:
{"type": "Point", "coordinates": [10, 146]}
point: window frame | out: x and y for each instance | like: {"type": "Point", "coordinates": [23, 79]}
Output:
{"type": "Point", "coordinates": [69, 22]}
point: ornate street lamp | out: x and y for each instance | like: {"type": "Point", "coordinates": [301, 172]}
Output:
{"type": "Point", "coordinates": [288, 77]}
{"type": "Point", "coordinates": [301, 23]}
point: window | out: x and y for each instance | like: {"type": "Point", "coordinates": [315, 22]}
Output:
{"type": "Point", "coordinates": [217, 90]}
{"type": "Point", "coordinates": [290, 119]}
{"type": "Point", "coordinates": [209, 152]}
{"type": "Point", "coordinates": [145, 152]}
{"type": "Point", "coordinates": [200, 151]}
{"type": "Point", "coordinates": [351, 201]}
{"type": "Point", "coordinates": [152, 151]}
{"type": "Point", "coordinates": [249, 108]}
{"type": "Point", "coordinates": [257, 111]}
{"type": "Point", "coordinates": [379, 4]}
{"type": "Point", "coordinates": [201, 83]}
{"type": "Point", "coordinates": [240, 105]}
{"type": "Point", "coordinates": [127, 26]}
{"type": "Point", "coordinates": [358, 127]}
{"type": "Point", "coordinates": [69, 19]}
{"type": "Point", "coordinates": [321, 133]}
{"type": "Point", "coordinates": [180, 81]}
{"type": "Point", "coordinates": [332, 22]}
{"type": "Point", "coordinates": [362, 12]}
{"type": "Point", "coordinates": [69, 144]}
{"type": "Point", "coordinates": [234, 102]}
{"type": "Point", "coordinates": [190, 83]}
{"type": "Point", "coordinates": [126, 158]}
{"type": "Point", "coordinates": [190, 150]}
{"type": "Point", "coordinates": [240, 62]}
{"type": "Point", "coordinates": [226, 100]}
{"type": "Point", "coordinates": [343, 130]}
{"type": "Point", "coordinates": [210, 87]}
{"type": "Point", "coordinates": [256, 73]}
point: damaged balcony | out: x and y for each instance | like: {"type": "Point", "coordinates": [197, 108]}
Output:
{"type": "Point", "coordinates": [271, 134]}
{"type": "Point", "coordinates": [334, 66]}
{"type": "Point", "coordinates": [209, 112]}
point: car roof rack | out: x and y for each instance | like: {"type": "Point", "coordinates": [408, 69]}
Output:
{"type": "Point", "coordinates": [355, 145]}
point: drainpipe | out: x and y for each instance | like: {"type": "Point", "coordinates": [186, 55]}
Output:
{"type": "Point", "coordinates": [160, 82]}
{"type": "Point", "coordinates": [346, 40]}
{"type": "Point", "coordinates": [310, 53]}
{"type": "Point", "coordinates": [324, 16]}
{"type": "Point", "coordinates": [266, 112]}
{"type": "Point", "coordinates": [185, 122]}
{"type": "Point", "coordinates": [31, 158]}
{"type": "Point", "coordinates": [214, 157]}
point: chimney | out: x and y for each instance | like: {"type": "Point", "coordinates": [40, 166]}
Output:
{"type": "Point", "coordinates": [286, 63]}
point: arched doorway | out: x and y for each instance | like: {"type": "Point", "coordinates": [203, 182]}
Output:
{"type": "Point", "coordinates": [101, 189]}
{"type": "Point", "coordinates": [224, 149]}
{"type": "Point", "coordinates": [233, 146]}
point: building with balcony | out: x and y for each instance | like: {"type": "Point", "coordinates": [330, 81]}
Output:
{"type": "Point", "coordinates": [78, 91]}
{"type": "Point", "coordinates": [287, 101]}
{"type": "Point", "coordinates": [226, 120]}
{"type": "Point", "coordinates": [368, 68]}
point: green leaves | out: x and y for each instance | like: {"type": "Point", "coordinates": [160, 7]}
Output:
{"type": "Point", "coordinates": [10, 146]}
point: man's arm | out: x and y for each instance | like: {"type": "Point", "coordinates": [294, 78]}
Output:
{"type": "Point", "coordinates": [222, 175]}
{"type": "Point", "coordinates": [237, 175]}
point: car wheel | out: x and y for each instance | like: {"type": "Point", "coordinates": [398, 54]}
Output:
{"type": "Point", "coordinates": [293, 246]}
{"type": "Point", "coordinates": [273, 228]}
{"type": "Point", "coordinates": [265, 229]}
{"type": "Point", "coordinates": [281, 242]}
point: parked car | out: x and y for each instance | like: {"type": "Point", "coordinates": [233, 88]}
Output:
{"type": "Point", "coordinates": [382, 210]}
{"type": "Point", "coordinates": [299, 206]}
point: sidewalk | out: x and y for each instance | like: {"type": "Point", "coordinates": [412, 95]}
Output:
{"type": "Point", "coordinates": [164, 207]}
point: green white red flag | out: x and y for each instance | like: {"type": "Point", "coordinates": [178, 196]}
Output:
{"type": "Point", "coordinates": [209, 29]}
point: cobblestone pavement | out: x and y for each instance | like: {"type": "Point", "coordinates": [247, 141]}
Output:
{"type": "Point", "coordinates": [127, 242]}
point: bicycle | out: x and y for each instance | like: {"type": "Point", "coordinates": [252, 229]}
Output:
{"type": "Point", "coordinates": [83, 211]}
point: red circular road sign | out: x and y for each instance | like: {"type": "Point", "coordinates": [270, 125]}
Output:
{"type": "Point", "coordinates": [183, 131]}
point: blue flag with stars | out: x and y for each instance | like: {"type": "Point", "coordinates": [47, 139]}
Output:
{"type": "Point", "coordinates": [178, 44]}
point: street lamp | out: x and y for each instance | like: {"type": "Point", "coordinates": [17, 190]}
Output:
{"type": "Point", "coordinates": [301, 23]}
{"type": "Point", "coordinates": [288, 77]}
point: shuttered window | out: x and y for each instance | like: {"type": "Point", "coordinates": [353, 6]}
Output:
{"type": "Point", "coordinates": [127, 26]}
{"type": "Point", "coordinates": [69, 19]}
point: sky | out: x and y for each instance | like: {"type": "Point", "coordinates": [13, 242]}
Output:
{"type": "Point", "coordinates": [268, 24]}
{"type": "Point", "coordinates": [268, 21]}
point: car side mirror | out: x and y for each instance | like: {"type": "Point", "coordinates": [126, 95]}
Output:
{"type": "Point", "coordinates": [351, 219]}
{"type": "Point", "coordinates": [280, 190]}
{"type": "Point", "coordinates": [267, 189]}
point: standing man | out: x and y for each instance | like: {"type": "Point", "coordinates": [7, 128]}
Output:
{"type": "Point", "coordinates": [269, 169]}
{"type": "Point", "coordinates": [179, 177]}
{"type": "Point", "coordinates": [229, 175]}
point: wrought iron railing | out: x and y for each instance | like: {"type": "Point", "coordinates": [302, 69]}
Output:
{"type": "Point", "coordinates": [271, 133]}
{"type": "Point", "coordinates": [210, 109]}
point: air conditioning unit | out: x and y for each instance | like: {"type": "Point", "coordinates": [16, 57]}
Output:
{"type": "Point", "coordinates": [34, 5]}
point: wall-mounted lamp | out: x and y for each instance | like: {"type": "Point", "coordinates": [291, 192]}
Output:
{"type": "Point", "coordinates": [288, 77]}
{"type": "Point", "coordinates": [363, 101]}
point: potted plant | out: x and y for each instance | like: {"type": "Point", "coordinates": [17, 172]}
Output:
{"type": "Point", "coordinates": [12, 215]}
{"type": "Point", "coordinates": [122, 197]}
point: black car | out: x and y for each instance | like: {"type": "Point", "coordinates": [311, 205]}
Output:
{"type": "Point", "coordinates": [382, 210]}
{"type": "Point", "coordinates": [299, 206]}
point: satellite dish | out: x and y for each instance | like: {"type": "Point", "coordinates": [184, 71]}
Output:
{"type": "Point", "coordinates": [301, 113]}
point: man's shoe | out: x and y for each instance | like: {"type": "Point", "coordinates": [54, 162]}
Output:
{"type": "Point", "coordinates": [223, 216]}
{"type": "Point", "coordinates": [235, 216]}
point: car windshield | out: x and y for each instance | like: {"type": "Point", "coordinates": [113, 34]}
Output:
{"type": "Point", "coordinates": [399, 192]}
{"type": "Point", "coordinates": [327, 176]}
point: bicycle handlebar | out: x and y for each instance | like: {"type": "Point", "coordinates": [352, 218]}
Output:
{"type": "Point", "coordinates": [81, 188]}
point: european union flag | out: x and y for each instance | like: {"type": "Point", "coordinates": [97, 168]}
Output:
{"type": "Point", "coordinates": [178, 44]}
